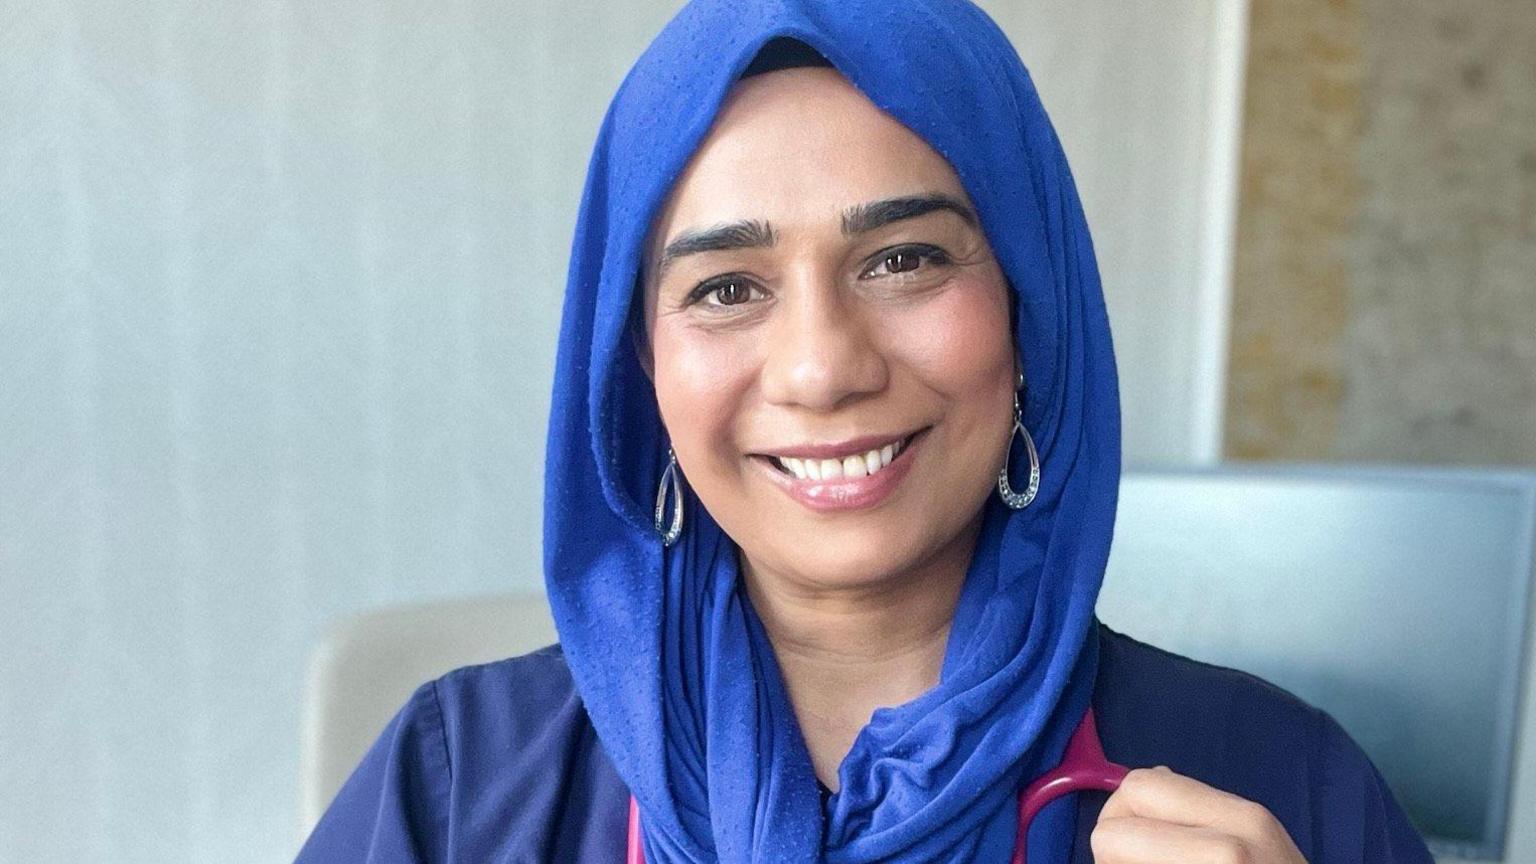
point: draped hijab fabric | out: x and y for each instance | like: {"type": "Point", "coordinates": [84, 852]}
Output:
{"type": "Point", "coordinates": [673, 666]}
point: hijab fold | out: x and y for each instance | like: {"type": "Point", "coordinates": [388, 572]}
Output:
{"type": "Point", "coordinates": [673, 665]}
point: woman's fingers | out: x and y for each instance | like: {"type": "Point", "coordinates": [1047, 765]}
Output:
{"type": "Point", "coordinates": [1140, 840]}
{"type": "Point", "coordinates": [1159, 793]}
{"type": "Point", "coordinates": [1159, 816]}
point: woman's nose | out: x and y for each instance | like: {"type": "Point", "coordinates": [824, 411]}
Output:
{"type": "Point", "coordinates": [822, 352]}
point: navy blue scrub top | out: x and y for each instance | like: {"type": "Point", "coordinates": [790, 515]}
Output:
{"type": "Point", "coordinates": [499, 763]}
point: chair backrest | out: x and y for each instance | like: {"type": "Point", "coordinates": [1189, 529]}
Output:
{"type": "Point", "coordinates": [1395, 599]}
{"type": "Point", "coordinates": [365, 668]}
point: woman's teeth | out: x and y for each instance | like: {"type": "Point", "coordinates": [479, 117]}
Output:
{"type": "Point", "coordinates": [858, 465]}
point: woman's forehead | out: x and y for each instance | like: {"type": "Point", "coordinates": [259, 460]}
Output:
{"type": "Point", "coordinates": [799, 146]}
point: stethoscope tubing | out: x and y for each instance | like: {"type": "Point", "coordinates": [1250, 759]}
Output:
{"type": "Point", "coordinates": [1083, 766]}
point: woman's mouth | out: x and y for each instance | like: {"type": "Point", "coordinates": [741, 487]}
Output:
{"type": "Point", "coordinates": [856, 464]}
{"type": "Point", "coordinates": [845, 476]}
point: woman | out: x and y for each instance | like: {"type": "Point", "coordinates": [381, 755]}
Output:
{"type": "Point", "coordinates": [832, 470]}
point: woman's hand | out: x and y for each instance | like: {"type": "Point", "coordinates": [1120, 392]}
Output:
{"type": "Point", "coordinates": [1159, 817]}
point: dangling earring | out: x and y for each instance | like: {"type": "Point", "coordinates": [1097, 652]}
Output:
{"type": "Point", "coordinates": [669, 475]}
{"type": "Point", "coordinates": [1019, 500]}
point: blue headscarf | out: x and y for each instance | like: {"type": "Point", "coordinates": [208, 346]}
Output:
{"type": "Point", "coordinates": [675, 669]}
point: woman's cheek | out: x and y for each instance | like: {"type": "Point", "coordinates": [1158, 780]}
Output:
{"type": "Point", "coordinates": [700, 377]}
{"type": "Point", "coordinates": [959, 341]}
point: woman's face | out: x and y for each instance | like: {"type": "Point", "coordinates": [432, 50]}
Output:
{"type": "Point", "coordinates": [828, 334]}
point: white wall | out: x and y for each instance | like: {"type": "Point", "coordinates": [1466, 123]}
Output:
{"type": "Point", "coordinates": [278, 296]}
{"type": "Point", "coordinates": [1146, 98]}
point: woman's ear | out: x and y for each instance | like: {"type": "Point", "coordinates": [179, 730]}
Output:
{"type": "Point", "coordinates": [643, 313]}
{"type": "Point", "coordinates": [642, 346]}
{"type": "Point", "coordinates": [643, 352]}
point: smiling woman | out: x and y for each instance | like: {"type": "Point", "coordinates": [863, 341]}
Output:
{"type": "Point", "coordinates": [808, 328]}
{"type": "Point", "coordinates": [832, 359]}
{"type": "Point", "coordinates": [813, 274]}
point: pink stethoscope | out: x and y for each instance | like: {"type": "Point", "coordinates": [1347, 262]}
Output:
{"type": "Point", "coordinates": [1084, 766]}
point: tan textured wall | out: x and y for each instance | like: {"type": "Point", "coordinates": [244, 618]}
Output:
{"type": "Point", "coordinates": [1440, 350]}
{"type": "Point", "coordinates": [1291, 273]}
{"type": "Point", "coordinates": [1385, 279]}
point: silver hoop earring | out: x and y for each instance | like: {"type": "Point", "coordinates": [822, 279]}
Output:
{"type": "Point", "coordinates": [670, 476]}
{"type": "Point", "coordinates": [1019, 500]}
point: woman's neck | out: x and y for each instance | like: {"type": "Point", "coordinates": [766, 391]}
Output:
{"type": "Point", "coordinates": [845, 651]}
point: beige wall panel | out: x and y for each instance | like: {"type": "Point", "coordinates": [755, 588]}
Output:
{"type": "Point", "coordinates": [1290, 299]}
{"type": "Point", "coordinates": [1440, 350]}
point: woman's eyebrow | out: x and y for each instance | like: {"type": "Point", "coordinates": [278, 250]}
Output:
{"type": "Point", "coordinates": [734, 235]}
{"type": "Point", "coordinates": [858, 219]}
{"type": "Point", "coordinates": [861, 218]}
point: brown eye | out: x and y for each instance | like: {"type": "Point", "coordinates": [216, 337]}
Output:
{"type": "Point", "coordinates": [906, 260]}
{"type": "Point", "coordinates": [901, 262]}
{"type": "Point", "coordinates": [726, 290]}
{"type": "Point", "coordinates": [731, 293]}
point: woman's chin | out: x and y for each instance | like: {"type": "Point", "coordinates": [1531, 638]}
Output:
{"type": "Point", "coordinates": [844, 560]}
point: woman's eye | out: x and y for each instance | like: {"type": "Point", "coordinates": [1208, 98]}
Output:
{"type": "Point", "coordinates": [722, 292]}
{"type": "Point", "coordinates": [905, 260]}
{"type": "Point", "coordinates": [901, 262]}
{"type": "Point", "coordinates": [731, 293]}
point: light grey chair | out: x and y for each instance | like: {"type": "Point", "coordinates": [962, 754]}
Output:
{"type": "Point", "coordinates": [1396, 599]}
{"type": "Point", "coordinates": [365, 668]}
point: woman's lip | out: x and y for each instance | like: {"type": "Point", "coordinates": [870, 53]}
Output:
{"type": "Point", "coordinates": [840, 449]}
{"type": "Point", "coordinates": [846, 493]}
